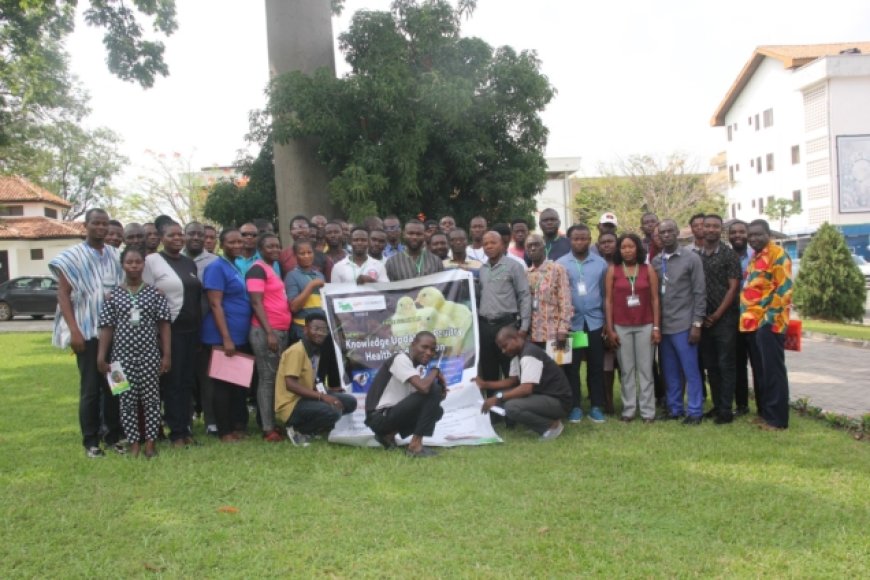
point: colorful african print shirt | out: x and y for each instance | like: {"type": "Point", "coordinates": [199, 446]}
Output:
{"type": "Point", "coordinates": [766, 295]}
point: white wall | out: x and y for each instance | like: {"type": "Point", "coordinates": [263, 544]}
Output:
{"type": "Point", "coordinates": [553, 196]}
{"type": "Point", "coordinates": [20, 263]}
{"type": "Point", "coordinates": [849, 98]}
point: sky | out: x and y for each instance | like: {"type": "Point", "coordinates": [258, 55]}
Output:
{"type": "Point", "coordinates": [632, 76]}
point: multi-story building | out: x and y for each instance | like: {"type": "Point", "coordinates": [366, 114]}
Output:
{"type": "Point", "coordinates": [797, 126]}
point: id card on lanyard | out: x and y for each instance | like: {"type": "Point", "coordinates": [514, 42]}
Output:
{"type": "Point", "coordinates": [581, 283]}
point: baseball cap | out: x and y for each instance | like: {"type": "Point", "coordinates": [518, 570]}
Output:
{"type": "Point", "coordinates": [608, 218]}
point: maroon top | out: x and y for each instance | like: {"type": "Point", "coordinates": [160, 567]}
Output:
{"type": "Point", "coordinates": [623, 314]}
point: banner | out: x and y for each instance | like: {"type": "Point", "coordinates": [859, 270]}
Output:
{"type": "Point", "coordinates": [370, 323]}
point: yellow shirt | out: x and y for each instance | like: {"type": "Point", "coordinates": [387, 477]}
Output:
{"type": "Point", "coordinates": [294, 363]}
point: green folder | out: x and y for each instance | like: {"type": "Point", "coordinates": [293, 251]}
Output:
{"type": "Point", "coordinates": [579, 339]}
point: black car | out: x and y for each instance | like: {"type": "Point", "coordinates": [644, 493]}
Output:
{"type": "Point", "coordinates": [34, 296]}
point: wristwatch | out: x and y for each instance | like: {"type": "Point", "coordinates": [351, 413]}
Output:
{"type": "Point", "coordinates": [499, 395]}
{"type": "Point", "coordinates": [696, 324]}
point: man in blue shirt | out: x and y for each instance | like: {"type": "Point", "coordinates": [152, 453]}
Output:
{"type": "Point", "coordinates": [586, 272]}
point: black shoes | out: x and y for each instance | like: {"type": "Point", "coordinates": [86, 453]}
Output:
{"type": "Point", "coordinates": [692, 421]}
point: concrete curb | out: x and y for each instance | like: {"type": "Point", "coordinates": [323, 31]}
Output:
{"type": "Point", "coordinates": [853, 342]}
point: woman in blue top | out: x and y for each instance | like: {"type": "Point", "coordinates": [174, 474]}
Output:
{"type": "Point", "coordinates": [226, 326]}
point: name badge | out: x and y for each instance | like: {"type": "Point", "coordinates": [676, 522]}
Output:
{"type": "Point", "coordinates": [135, 316]}
{"type": "Point", "coordinates": [581, 288]}
{"type": "Point", "coordinates": [632, 301]}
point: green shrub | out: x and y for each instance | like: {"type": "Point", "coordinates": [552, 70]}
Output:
{"type": "Point", "coordinates": [829, 285]}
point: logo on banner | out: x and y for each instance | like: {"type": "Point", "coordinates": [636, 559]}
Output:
{"type": "Point", "coordinates": [361, 303]}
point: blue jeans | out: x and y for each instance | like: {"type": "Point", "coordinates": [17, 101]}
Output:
{"type": "Point", "coordinates": [679, 361]}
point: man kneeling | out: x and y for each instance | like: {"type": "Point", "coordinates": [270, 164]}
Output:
{"type": "Point", "coordinates": [402, 402]}
{"type": "Point", "coordinates": [308, 408]}
{"type": "Point", "coordinates": [536, 392]}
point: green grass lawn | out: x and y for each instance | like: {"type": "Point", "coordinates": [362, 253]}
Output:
{"type": "Point", "coordinates": [857, 331]}
{"type": "Point", "coordinates": [609, 500]}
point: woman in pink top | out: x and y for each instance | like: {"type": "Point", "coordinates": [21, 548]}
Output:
{"type": "Point", "coordinates": [270, 327]}
{"type": "Point", "coordinates": [631, 310]}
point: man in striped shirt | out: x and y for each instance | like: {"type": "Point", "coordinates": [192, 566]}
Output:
{"type": "Point", "coordinates": [414, 261]}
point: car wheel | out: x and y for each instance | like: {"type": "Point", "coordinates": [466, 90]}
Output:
{"type": "Point", "coordinates": [5, 312]}
{"type": "Point", "coordinates": [37, 316]}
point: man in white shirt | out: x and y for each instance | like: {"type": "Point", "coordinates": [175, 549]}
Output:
{"type": "Point", "coordinates": [405, 400]}
{"type": "Point", "coordinates": [359, 267]}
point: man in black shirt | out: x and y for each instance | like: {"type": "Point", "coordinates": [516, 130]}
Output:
{"type": "Point", "coordinates": [719, 335]}
{"type": "Point", "coordinates": [535, 393]}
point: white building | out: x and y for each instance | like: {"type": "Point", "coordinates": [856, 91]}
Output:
{"type": "Point", "coordinates": [797, 126]}
{"type": "Point", "coordinates": [557, 190]}
{"type": "Point", "coordinates": [31, 231]}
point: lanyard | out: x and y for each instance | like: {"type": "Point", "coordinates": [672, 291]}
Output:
{"type": "Point", "coordinates": [541, 272]}
{"type": "Point", "coordinates": [579, 268]}
{"type": "Point", "coordinates": [134, 296]}
{"type": "Point", "coordinates": [665, 258]}
{"type": "Point", "coordinates": [632, 278]}
{"type": "Point", "coordinates": [419, 264]}
{"type": "Point", "coordinates": [549, 246]}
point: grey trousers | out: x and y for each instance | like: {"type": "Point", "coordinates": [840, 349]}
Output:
{"type": "Point", "coordinates": [267, 368]}
{"type": "Point", "coordinates": [635, 354]}
{"type": "Point", "coordinates": [537, 412]}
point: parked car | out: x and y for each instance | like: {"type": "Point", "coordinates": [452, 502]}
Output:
{"type": "Point", "coordinates": [864, 266]}
{"type": "Point", "coordinates": [34, 296]}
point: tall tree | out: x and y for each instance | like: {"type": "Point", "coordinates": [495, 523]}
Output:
{"type": "Point", "coordinates": [168, 186]}
{"type": "Point", "coordinates": [829, 285]}
{"type": "Point", "coordinates": [671, 188]}
{"type": "Point", "coordinates": [781, 209]}
{"type": "Point", "coordinates": [426, 121]}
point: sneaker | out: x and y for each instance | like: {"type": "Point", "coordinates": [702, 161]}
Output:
{"type": "Point", "coordinates": [576, 415]}
{"type": "Point", "coordinates": [422, 454]}
{"type": "Point", "coordinates": [94, 452]}
{"type": "Point", "coordinates": [553, 432]}
{"type": "Point", "coordinates": [596, 416]}
{"type": "Point", "coordinates": [297, 439]}
{"type": "Point", "coordinates": [741, 411]}
{"type": "Point", "coordinates": [211, 431]}
{"type": "Point", "coordinates": [119, 448]}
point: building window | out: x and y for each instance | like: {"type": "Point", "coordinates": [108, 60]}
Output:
{"type": "Point", "coordinates": [760, 205]}
{"type": "Point", "coordinates": [769, 161]}
{"type": "Point", "coordinates": [768, 118]}
{"type": "Point", "coordinates": [795, 154]}
{"type": "Point", "coordinates": [817, 168]}
{"type": "Point", "coordinates": [11, 210]}
{"type": "Point", "coordinates": [815, 108]}
{"type": "Point", "coordinates": [730, 174]}
{"type": "Point", "coordinates": [36, 254]}
{"type": "Point", "coordinates": [737, 167]}
{"type": "Point", "coordinates": [757, 124]}
{"type": "Point", "coordinates": [796, 196]}
{"type": "Point", "coordinates": [753, 204]}
{"type": "Point", "coordinates": [729, 132]}
{"type": "Point", "coordinates": [51, 213]}
{"type": "Point", "coordinates": [749, 120]}
{"type": "Point", "coordinates": [758, 165]}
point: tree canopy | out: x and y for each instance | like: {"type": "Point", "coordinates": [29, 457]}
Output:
{"type": "Point", "coordinates": [234, 202]}
{"type": "Point", "coordinates": [829, 285]}
{"type": "Point", "coordinates": [426, 121]}
{"type": "Point", "coordinates": [670, 188]}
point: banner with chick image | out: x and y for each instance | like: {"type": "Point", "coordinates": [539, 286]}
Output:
{"type": "Point", "coordinates": [372, 322]}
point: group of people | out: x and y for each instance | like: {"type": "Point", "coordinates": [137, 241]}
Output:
{"type": "Point", "coordinates": [161, 298]}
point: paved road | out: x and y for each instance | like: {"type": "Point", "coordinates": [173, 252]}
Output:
{"type": "Point", "coordinates": [835, 377]}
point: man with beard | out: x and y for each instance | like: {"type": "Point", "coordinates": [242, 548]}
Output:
{"type": "Point", "coordinates": [414, 261]}
{"type": "Point", "coordinates": [393, 229]}
{"type": "Point", "coordinates": [438, 245]}
{"type": "Point", "coordinates": [335, 242]}
{"type": "Point", "coordinates": [377, 244]}
{"type": "Point", "coordinates": [555, 246]}
{"type": "Point", "coordinates": [359, 267]}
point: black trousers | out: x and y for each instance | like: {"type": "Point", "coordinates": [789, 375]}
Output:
{"type": "Point", "coordinates": [176, 386]}
{"type": "Point", "coordinates": [230, 405]}
{"type": "Point", "coordinates": [311, 416]}
{"type": "Point", "coordinates": [594, 369]}
{"type": "Point", "coordinates": [416, 414]}
{"type": "Point", "coordinates": [93, 386]}
{"type": "Point", "coordinates": [772, 390]}
{"type": "Point", "coordinates": [744, 354]}
{"type": "Point", "coordinates": [718, 345]}
{"type": "Point", "coordinates": [493, 364]}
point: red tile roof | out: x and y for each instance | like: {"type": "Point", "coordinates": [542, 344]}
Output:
{"type": "Point", "coordinates": [791, 57]}
{"type": "Point", "coordinates": [39, 228]}
{"type": "Point", "coordinates": [16, 188]}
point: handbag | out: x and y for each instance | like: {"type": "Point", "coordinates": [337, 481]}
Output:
{"type": "Point", "coordinates": [793, 335]}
